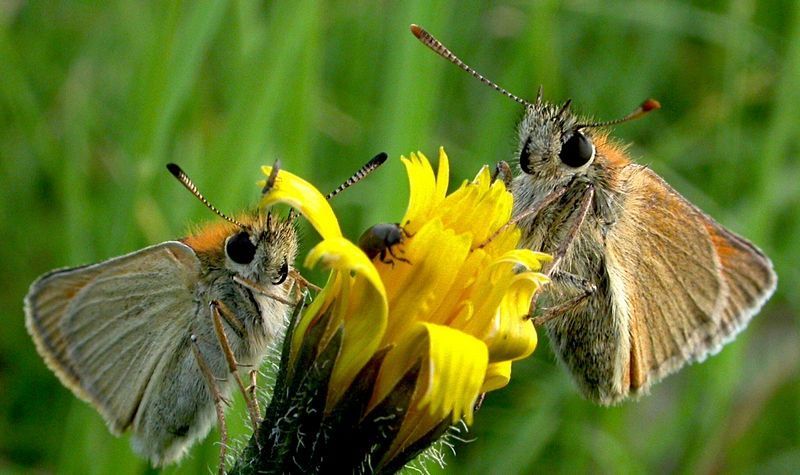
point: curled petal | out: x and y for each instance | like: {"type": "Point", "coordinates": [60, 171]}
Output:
{"type": "Point", "coordinates": [453, 371]}
{"type": "Point", "coordinates": [360, 305]}
{"type": "Point", "coordinates": [457, 364]}
{"type": "Point", "coordinates": [364, 326]}
{"type": "Point", "coordinates": [341, 254]}
{"type": "Point", "coordinates": [497, 376]}
{"type": "Point", "coordinates": [512, 335]}
{"type": "Point", "coordinates": [305, 198]}
{"type": "Point", "coordinates": [530, 259]}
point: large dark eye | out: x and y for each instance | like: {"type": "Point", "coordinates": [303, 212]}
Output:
{"type": "Point", "coordinates": [240, 249]}
{"type": "Point", "coordinates": [525, 157]}
{"type": "Point", "coordinates": [283, 272]}
{"type": "Point", "coordinates": [576, 151]}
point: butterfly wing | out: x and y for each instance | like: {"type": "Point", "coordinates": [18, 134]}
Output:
{"type": "Point", "coordinates": [684, 284]}
{"type": "Point", "coordinates": [105, 328]}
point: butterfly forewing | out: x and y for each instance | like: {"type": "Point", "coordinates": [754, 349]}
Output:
{"type": "Point", "coordinates": [105, 328]}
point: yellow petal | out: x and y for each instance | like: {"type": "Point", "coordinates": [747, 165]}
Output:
{"type": "Point", "coordinates": [457, 308]}
{"type": "Point", "coordinates": [507, 238]}
{"type": "Point", "coordinates": [484, 176]}
{"type": "Point", "coordinates": [319, 306]}
{"type": "Point", "coordinates": [340, 254]}
{"type": "Point", "coordinates": [422, 191]}
{"type": "Point", "coordinates": [479, 207]}
{"type": "Point", "coordinates": [487, 294]}
{"type": "Point", "coordinates": [364, 325]}
{"type": "Point", "coordinates": [512, 335]}
{"type": "Point", "coordinates": [530, 259]}
{"type": "Point", "coordinates": [501, 300]}
{"type": "Point", "coordinates": [442, 176]}
{"type": "Point", "coordinates": [458, 365]}
{"type": "Point", "coordinates": [453, 371]}
{"type": "Point", "coordinates": [497, 376]}
{"type": "Point", "coordinates": [305, 198]}
{"type": "Point", "coordinates": [416, 287]}
{"type": "Point", "coordinates": [361, 307]}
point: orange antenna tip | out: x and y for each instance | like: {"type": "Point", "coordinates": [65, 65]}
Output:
{"type": "Point", "coordinates": [650, 105]}
{"type": "Point", "coordinates": [644, 108]}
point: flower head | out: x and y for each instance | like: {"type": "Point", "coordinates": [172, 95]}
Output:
{"type": "Point", "coordinates": [401, 345]}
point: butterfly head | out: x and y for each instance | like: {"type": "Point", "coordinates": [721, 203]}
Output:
{"type": "Point", "coordinates": [551, 142]}
{"type": "Point", "coordinates": [257, 246]}
{"type": "Point", "coordinates": [263, 250]}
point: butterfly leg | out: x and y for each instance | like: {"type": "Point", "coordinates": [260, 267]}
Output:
{"type": "Point", "coordinates": [218, 399]}
{"type": "Point", "coordinates": [529, 213]}
{"type": "Point", "coordinates": [301, 284]}
{"type": "Point", "coordinates": [256, 287]}
{"type": "Point", "coordinates": [584, 204]}
{"type": "Point", "coordinates": [219, 311]}
{"type": "Point", "coordinates": [585, 288]}
{"type": "Point", "coordinates": [502, 172]}
{"type": "Point", "coordinates": [298, 282]}
{"type": "Point", "coordinates": [251, 389]}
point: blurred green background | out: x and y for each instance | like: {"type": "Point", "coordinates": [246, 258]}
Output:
{"type": "Point", "coordinates": [95, 98]}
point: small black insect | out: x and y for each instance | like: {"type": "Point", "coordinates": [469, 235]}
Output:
{"type": "Point", "coordinates": [379, 240]}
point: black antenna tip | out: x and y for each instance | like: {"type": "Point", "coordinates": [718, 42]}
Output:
{"type": "Point", "coordinates": [174, 169]}
{"type": "Point", "coordinates": [379, 159]}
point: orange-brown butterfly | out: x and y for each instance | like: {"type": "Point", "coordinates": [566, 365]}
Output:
{"type": "Point", "coordinates": [647, 281]}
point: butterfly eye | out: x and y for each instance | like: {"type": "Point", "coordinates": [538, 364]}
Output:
{"type": "Point", "coordinates": [576, 151]}
{"type": "Point", "coordinates": [525, 157]}
{"type": "Point", "coordinates": [240, 249]}
{"type": "Point", "coordinates": [283, 272]}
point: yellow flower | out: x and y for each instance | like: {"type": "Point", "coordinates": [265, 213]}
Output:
{"type": "Point", "coordinates": [421, 330]}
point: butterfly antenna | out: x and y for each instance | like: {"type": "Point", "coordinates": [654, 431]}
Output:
{"type": "Point", "coordinates": [187, 182]}
{"type": "Point", "coordinates": [539, 95]}
{"type": "Point", "coordinates": [273, 175]}
{"type": "Point", "coordinates": [428, 40]}
{"type": "Point", "coordinates": [362, 173]}
{"type": "Point", "coordinates": [564, 109]}
{"type": "Point", "coordinates": [644, 108]}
